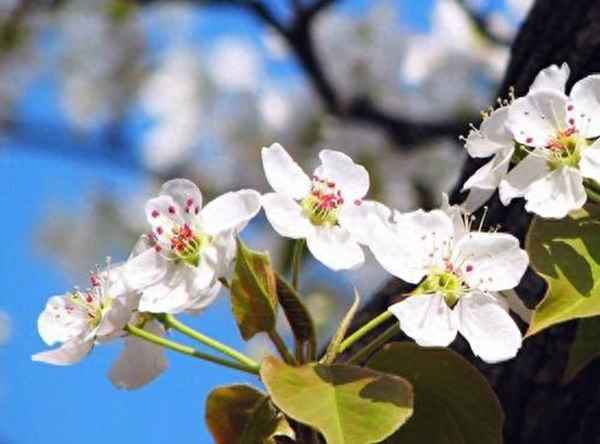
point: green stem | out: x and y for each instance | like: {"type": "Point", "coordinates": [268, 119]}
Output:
{"type": "Point", "coordinates": [171, 321]}
{"type": "Point", "coordinates": [297, 262]}
{"type": "Point", "coordinates": [281, 347]}
{"type": "Point", "coordinates": [373, 323]}
{"type": "Point", "coordinates": [593, 196]}
{"type": "Point", "coordinates": [186, 350]}
{"type": "Point", "coordinates": [378, 342]}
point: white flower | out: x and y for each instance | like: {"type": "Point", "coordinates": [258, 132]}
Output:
{"type": "Point", "coordinates": [326, 210]}
{"type": "Point", "coordinates": [492, 140]}
{"type": "Point", "coordinates": [459, 273]}
{"type": "Point", "coordinates": [189, 248]}
{"type": "Point", "coordinates": [556, 130]}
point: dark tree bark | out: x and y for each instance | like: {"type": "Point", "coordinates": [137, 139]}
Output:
{"type": "Point", "coordinates": [538, 408]}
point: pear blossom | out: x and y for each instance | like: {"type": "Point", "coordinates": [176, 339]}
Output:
{"type": "Point", "coordinates": [459, 273]}
{"type": "Point", "coordinates": [79, 320]}
{"type": "Point", "coordinates": [556, 131]}
{"type": "Point", "coordinates": [178, 264]}
{"type": "Point", "coordinates": [327, 210]}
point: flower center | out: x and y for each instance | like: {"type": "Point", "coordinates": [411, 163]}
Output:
{"type": "Point", "coordinates": [90, 302]}
{"type": "Point", "coordinates": [565, 149]}
{"type": "Point", "coordinates": [446, 282]}
{"type": "Point", "coordinates": [321, 206]}
{"type": "Point", "coordinates": [187, 244]}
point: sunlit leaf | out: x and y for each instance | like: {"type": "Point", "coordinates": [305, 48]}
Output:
{"type": "Point", "coordinates": [585, 347]}
{"type": "Point", "coordinates": [347, 404]}
{"type": "Point", "coordinates": [253, 292]}
{"type": "Point", "coordinates": [566, 253]}
{"type": "Point", "coordinates": [454, 404]}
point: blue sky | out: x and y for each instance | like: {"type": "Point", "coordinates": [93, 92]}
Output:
{"type": "Point", "coordinates": [45, 404]}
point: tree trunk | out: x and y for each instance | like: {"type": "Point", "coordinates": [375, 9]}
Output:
{"type": "Point", "coordinates": [538, 407]}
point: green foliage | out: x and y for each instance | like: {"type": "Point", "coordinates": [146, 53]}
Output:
{"type": "Point", "coordinates": [454, 404]}
{"type": "Point", "coordinates": [347, 404]}
{"type": "Point", "coordinates": [332, 349]}
{"type": "Point", "coordinates": [253, 292]}
{"type": "Point", "coordinates": [298, 317]}
{"type": "Point", "coordinates": [240, 414]}
{"type": "Point", "coordinates": [585, 348]}
{"type": "Point", "coordinates": [566, 253]}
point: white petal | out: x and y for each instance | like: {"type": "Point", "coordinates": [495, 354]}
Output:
{"type": "Point", "coordinates": [145, 269]}
{"type": "Point", "coordinates": [586, 101]}
{"type": "Point", "coordinates": [556, 194]}
{"type": "Point", "coordinates": [364, 219]}
{"type": "Point", "coordinates": [231, 211]}
{"type": "Point", "coordinates": [519, 179]}
{"type": "Point", "coordinates": [286, 216]}
{"type": "Point", "coordinates": [199, 304]}
{"type": "Point", "coordinates": [69, 353]}
{"type": "Point", "coordinates": [427, 319]}
{"type": "Point", "coordinates": [589, 165]}
{"type": "Point", "coordinates": [335, 248]}
{"type": "Point", "coordinates": [491, 261]}
{"type": "Point", "coordinates": [283, 174]}
{"type": "Point", "coordinates": [414, 242]}
{"type": "Point", "coordinates": [517, 306]}
{"type": "Point", "coordinates": [491, 332]}
{"type": "Point", "coordinates": [140, 362]}
{"type": "Point", "coordinates": [489, 175]}
{"type": "Point", "coordinates": [59, 324]}
{"type": "Point", "coordinates": [553, 77]}
{"type": "Point", "coordinates": [536, 118]}
{"type": "Point", "coordinates": [456, 213]}
{"type": "Point", "coordinates": [116, 317]}
{"type": "Point", "coordinates": [492, 137]}
{"type": "Point", "coordinates": [172, 293]}
{"type": "Point", "coordinates": [164, 214]}
{"type": "Point", "coordinates": [186, 194]}
{"type": "Point", "coordinates": [476, 198]}
{"type": "Point", "coordinates": [350, 178]}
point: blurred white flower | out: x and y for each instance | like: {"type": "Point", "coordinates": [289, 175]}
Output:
{"type": "Point", "coordinates": [275, 109]}
{"type": "Point", "coordinates": [4, 327]}
{"type": "Point", "coordinates": [276, 46]}
{"type": "Point", "coordinates": [235, 64]}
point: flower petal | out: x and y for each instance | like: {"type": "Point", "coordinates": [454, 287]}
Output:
{"type": "Point", "coordinates": [140, 362]}
{"type": "Point", "coordinates": [589, 165]}
{"type": "Point", "coordinates": [585, 95]}
{"type": "Point", "coordinates": [350, 178]}
{"type": "Point", "coordinates": [491, 261]}
{"type": "Point", "coordinates": [171, 293]}
{"type": "Point", "coordinates": [553, 77]}
{"type": "Point", "coordinates": [363, 220]}
{"type": "Point", "coordinates": [410, 245]}
{"type": "Point", "coordinates": [207, 297]}
{"type": "Point", "coordinates": [476, 198]}
{"type": "Point", "coordinates": [186, 194]}
{"type": "Point", "coordinates": [164, 214]}
{"type": "Point", "coordinates": [427, 319]}
{"type": "Point", "coordinates": [145, 269]}
{"type": "Point", "coordinates": [536, 118]}
{"type": "Point", "coordinates": [335, 248]}
{"type": "Point", "coordinates": [230, 211]}
{"type": "Point", "coordinates": [557, 193]}
{"type": "Point", "coordinates": [519, 179]}
{"type": "Point", "coordinates": [491, 332]}
{"type": "Point", "coordinates": [69, 353]}
{"type": "Point", "coordinates": [489, 175]}
{"type": "Point", "coordinates": [286, 216]}
{"type": "Point", "coordinates": [283, 174]}
{"type": "Point", "coordinates": [492, 137]}
{"type": "Point", "coordinates": [59, 324]}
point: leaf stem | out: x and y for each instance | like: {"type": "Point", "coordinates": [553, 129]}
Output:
{"type": "Point", "coordinates": [593, 195]}
{"type": "Point", "coordinates": [375, 344]}
{"type": "Point", "coordinates": [297, 262]}
{"type": "Point", "coordinates": [277, 340]}
{"type": "Point", "coordinates": [170, 321]}
{"type": "Point", "coordinates": [186, 350]}
{"type": "Point", "coordinates": [362, 331]}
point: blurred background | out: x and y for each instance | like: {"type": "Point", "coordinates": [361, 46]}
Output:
{"type": "Point", "coordinates": [103, 100]}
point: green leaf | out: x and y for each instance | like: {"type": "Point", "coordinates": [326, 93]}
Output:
{"type": "Point", "coordinates": [585, 347]}
{"type": "Point", "coordinates": [454, 404]}
{"type": "Point", "coordinates": [334, 345]}
{"type": "Point", "coordinates": [253, 292]}
{"type": "Point", "coordinates": [297, 315]}
{"type": "Point", "coordinates": [240, 414]}
{"type": "Point", "coordinates": [566, 253]}
{"type": "Point", "coordinates": [347, 404]}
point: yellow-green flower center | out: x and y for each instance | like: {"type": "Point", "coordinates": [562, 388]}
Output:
{"type": "Point", "coordinates": [321, 206]}
{"type": "Point", "coordinates": [446, 283]}
{"type": "Point", "coordinates": [566, 148]}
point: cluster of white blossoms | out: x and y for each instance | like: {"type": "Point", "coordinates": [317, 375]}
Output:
{"type": "Point", "coordinates": [460, 275]}
{"type": "Point", "coordinates": [554, 135]}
